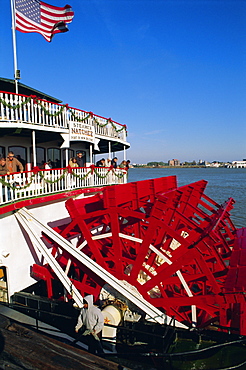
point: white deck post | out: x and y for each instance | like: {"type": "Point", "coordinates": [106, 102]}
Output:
{"type": "Point", "coordinates": [91, 158]}
{"type": "Point", "coordinates": [109, 150]}
{"type": "Point", "coordinates": [34, 148]}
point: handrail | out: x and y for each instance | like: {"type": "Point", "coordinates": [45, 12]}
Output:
{"type": "Point", "coordinates": [28, 184]}
{"type": "Point", "coordinates": [36, 111]}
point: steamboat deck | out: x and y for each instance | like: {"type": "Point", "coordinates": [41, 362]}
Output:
{"type": "Point", "coordinates": [38, 130]}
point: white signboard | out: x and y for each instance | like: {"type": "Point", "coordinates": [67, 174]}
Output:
{"type": "Point", "coordinates": [81, 132]}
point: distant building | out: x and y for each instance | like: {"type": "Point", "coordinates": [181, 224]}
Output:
{"type": "Point", "coordinates": [202, 162]}
{"type": "Point", "coordinates": [239, 164]}
{"type": "Point", "coordinates": [138, 165]}
{"type": "Point", "coordinates": [173, 162]}
{"type": "Point", "coordinates": [215, 164]}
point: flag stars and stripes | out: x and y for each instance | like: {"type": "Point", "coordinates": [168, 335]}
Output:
{"type": "Point", "coordinates": [40, 17]}
{"type": "Point", "coordinates": [31, 9]}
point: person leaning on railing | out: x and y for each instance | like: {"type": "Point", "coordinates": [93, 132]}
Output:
{"type": "Point", "coordinates": [13, 163]}
{"type": "Point", "coordinates": [123, 164]}
{"type": "Point", "coordinates": [100, 163]}
{"type": "Point", "coordinates": [128, 164]}
{"type": "Point", "coordinates": [73, 162]}
{"type": "Point", "coordinates": [3, 167]}
{"type": "Point", "coordinates": [114, 162]}
{"type": "Point", "coordinates": [4, 171]}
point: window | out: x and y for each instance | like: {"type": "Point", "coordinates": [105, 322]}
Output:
{"type": "Point", "coordinates": [54, 155]}
{"type": "Point", "coordinates": [2, 151]}
{"type": "Point", "coordinates": [40, 156]}
{"type": "Point", "coordinates": [64, 156]}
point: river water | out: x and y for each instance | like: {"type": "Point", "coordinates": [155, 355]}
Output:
{"type": "Point", "coordinates": [223, 183]}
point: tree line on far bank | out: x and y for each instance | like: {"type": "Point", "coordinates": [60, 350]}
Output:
{"type": "Point", "coordinates": [161, 164]}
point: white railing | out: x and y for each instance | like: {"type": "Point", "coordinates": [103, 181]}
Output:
{"type": "Point", "coordinates": [26, 185]}
{"type": "Point", "coordinates": [108, 128]}
{"type": "Point", "coordinates": [32, 110]}
{"type": "Point", "coordinates": [25, 109]}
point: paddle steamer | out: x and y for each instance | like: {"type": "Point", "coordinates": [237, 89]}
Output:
{"type": "Point", "coordinates": [163, 260]}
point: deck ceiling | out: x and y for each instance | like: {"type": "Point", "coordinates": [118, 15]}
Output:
{"type": "Point", "coordinates": [42, 136]}
{"type": "Point", "coordinates": [115, 146]}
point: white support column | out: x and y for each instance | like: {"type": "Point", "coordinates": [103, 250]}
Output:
{"type": "Point", "coordinates": [109, 150]}
{"type": "Point", "coordinates": [28, 160]}
{"type": "Point", "coordinates": [91, 159]}
{"type": "Point", "coordinates": [124, 153]}
{"type": "Point", "coordinates": [34, 148]}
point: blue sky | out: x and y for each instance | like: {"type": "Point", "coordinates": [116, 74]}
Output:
{"type": "Point", "coordinates": [173, 71]}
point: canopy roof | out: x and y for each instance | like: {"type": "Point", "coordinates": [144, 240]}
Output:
{"type": "Point", "coordinates": [9, 86]}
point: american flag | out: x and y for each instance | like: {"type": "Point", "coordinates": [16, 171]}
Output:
{"type": "Point", "coordinates": [37, 16]}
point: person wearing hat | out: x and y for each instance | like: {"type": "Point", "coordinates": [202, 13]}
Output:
{"type": "Point", "coordinates": [91, 318]}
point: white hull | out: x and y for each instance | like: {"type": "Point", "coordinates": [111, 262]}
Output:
{"type": "Point", "coordinates": [17, 253]}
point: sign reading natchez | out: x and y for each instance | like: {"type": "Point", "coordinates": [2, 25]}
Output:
{"type": "Point", "coordinates": [82, 132]}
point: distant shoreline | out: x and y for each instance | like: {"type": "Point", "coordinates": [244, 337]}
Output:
{"type": "Point", "coordinates": [196, 166]}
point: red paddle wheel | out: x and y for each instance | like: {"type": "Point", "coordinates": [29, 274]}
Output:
{"type": "Point", "coordinates": [177, 246]}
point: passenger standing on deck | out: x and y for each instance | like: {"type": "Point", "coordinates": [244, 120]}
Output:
{"type": "Point", "coordinates": [80, 159]}
{"type": "Point", "coordinates": [13, 163]}
{"type": "Point", "coordinates": [3, 167]}
{"type": "Point", "coordinates": [92, 319]}
{"type": "Point", "coordinates": [123, 164]}
{"type": "Point", "coordinates": [73, 162]}
{"type": "Point", "coordinates": [48, 165]}
{"type": "Point", "coordinates": [4, 171]}
{"type": "Point", "coordinates": [128, 164]}
{"type": "Point", "coordinates": [114, 162]}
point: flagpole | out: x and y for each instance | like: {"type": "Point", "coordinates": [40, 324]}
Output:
{"type": "Point", "coordinates": [16, 72]}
